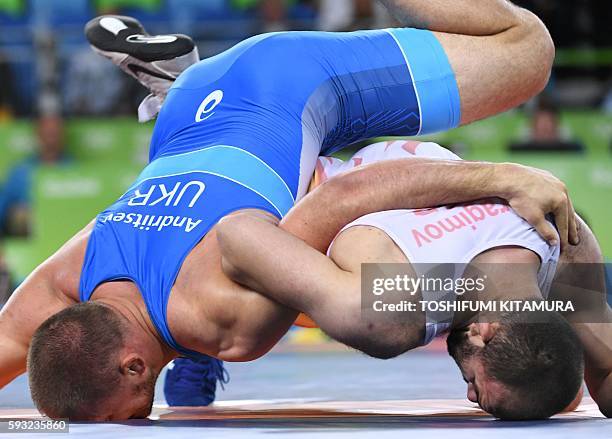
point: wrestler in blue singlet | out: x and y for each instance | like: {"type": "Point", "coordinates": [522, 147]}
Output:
{"type": "Point", "coordinates": [243, 130]}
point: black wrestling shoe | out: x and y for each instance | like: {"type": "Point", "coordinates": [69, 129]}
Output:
{"type": "Point", "coordinates": [154, 60]}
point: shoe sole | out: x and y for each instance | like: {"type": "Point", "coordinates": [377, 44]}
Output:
{"type": "Point", "coordinates": [130, 38]}
{"type": "Point", "coordinates": [133, 66]}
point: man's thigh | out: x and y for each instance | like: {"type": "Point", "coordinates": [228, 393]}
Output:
{"type": "Point", "coordinates": [498, 72]}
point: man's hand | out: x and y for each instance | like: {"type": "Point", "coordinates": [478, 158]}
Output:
{"type": "Point", "coordinates": [416, 183]}
{"type": "Point", "coordinates": [534, 193]}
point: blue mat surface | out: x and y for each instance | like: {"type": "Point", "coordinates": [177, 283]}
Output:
{"type": "Point", "coordinates": [280, 384]}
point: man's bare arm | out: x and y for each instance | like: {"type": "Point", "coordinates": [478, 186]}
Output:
{"type": "Point", "coordinates": [41, 295]}
{"type": "Point", "coordinates": [244, 238]}
{"type": "Point", "coordinates": [421, 183]}
{"type": "Point", "coordinates": [582, 280]}
{"type": "Point", "coordinates": [327, 289]}
{"type": "Point", "coordinates": [501, 54]}
{"type": "Point", "coordinates": [597, 341]}
{"type": "Point", "coordinates": [13, 361]}
{"type": "Point", "coordinates": [32, 303]}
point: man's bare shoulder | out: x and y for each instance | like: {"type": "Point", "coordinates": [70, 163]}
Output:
{"type": "Point", "coordinates": [582, 267]}
{"type": "Point", "coordinates": [364, 244]}
{"type": "Point", "coordinates": [587, 252]}
{"type": "Point", "coordinates": [49, 289]}
{"type": "Point", "coordinates": [63, 269]}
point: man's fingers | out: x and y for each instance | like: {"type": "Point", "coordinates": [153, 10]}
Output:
{"type": "Point", "coordinates": [574, 237]}
{"type": "Point", "coordinates": [536, 218]}
{"type": "Point", "coordinates": [546, 230]}
{"type": "Point", "coordinates": [562, 221]}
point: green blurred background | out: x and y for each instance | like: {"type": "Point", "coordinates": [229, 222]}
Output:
{"type": "Point", "coordinates": [109, 153]}
{"type": "Point", "coordinates": [70, 143]}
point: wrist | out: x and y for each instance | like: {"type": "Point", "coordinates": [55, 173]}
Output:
{"type": "Point", "coordinates": [504, 180]}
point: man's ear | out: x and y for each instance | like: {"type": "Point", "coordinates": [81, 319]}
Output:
{"type": "Point", "coordinates": [487, 330]}
{"type": "Point", "coordinates": [133, 365]}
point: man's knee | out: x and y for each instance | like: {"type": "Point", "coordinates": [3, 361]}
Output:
{"type": "Point", "coordinates": [501, 71]}
{"type": "Point", "coordinates": [540, 49]}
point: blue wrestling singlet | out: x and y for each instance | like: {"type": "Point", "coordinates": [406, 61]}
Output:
{"type": "Point", "coordinates": [244, 129]}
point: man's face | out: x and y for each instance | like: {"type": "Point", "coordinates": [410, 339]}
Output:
{"type": "Point", "coordinates": [465, 346]}
{"type": "Point", "coordinates": [51, 138]}
{"type": "Point", "coordinates": [545, 127]}
{"type": "Point", "coordinates": [131, 401]}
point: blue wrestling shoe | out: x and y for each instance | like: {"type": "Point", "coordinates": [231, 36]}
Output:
{"type": "Point", "coordinates": [191, 383]}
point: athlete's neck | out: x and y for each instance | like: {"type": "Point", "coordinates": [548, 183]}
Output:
{"type": "Point", "coordinates": [125, 299]}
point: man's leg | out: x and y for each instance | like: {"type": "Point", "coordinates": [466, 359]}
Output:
{"type": "Point", "coordinates": [501, 54]}
{"type": "Point", "coordinates": [154, 61]}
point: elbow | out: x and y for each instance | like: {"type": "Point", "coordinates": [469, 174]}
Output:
{"type": "Point", "coordinates": [605, 407]}
{"type": "Point", "coordinates": [228, 236]}
{"type": "Point", "coordinates": [233, 271]}
{"type": "Point", "coordinates": [232, 228]}
{"type": "Point", "coordinates": [237, 236]}
{"type": "Point", "coordinates": [602, 395]}
{"type": "Point", "coordinates": [224, 231]}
